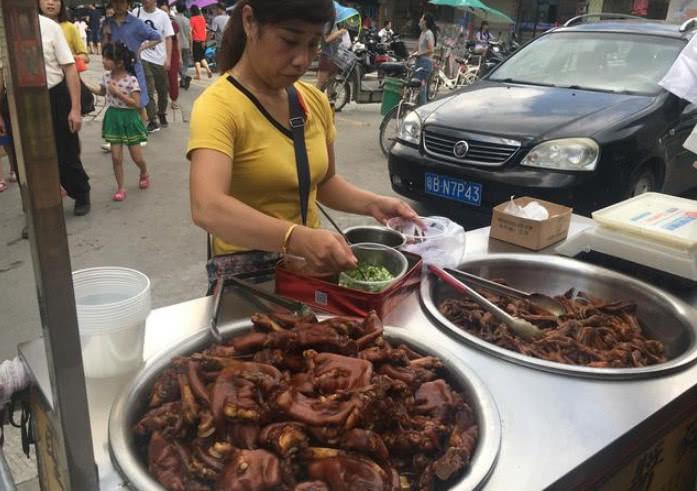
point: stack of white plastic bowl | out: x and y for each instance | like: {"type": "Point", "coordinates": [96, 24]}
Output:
{"type": "Point", "coordinates": [112, 306]}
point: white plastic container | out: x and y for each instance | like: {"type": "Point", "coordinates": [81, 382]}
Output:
{"type": "Point", "coordinates": [669, 220]}
{"type": "Point", "coordinates": [112, 306]}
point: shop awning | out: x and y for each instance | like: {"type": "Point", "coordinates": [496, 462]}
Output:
{"type": "Point", "coordinates": [478, 8]}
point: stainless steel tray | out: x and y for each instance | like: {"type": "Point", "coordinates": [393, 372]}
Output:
{"type": "Point", "coordinates": [663, 316]}
{"type": "Point", "coordinates": [131, 404]}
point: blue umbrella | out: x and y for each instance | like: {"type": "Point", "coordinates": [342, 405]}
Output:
{"type": "Point", "coordinates": [344, 13]}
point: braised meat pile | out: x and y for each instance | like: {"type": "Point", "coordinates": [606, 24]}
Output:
{"type": "Point", "coordinates": [593, 332]}
{"type": "Point", "coordinates": [302, 405]}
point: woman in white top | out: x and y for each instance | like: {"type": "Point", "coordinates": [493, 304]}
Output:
{"type": "Point", "coordinates": [483, 37]}
{"type": "Point", "coordinates": [64, 92]}
{"type": "Point", "coordinates": [424, 54]}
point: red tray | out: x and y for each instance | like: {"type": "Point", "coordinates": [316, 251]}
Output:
{"type": "Point", "coordinates": [330, 297]}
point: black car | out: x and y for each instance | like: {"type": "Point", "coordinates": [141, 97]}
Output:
{"type": "Point", "coordinates": [575, 117]}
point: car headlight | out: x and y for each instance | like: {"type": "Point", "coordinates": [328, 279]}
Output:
{"type": "Point", "coordinates": [410, 130]}
{"type": "Point", "coordinates": [576, 154]}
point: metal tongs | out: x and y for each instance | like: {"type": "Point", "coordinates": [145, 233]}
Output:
{"type": "Point", "coordinates": [539, 300]}
{"type": "Point", "coordinates": [253, 294]}
{"type": "Point", "coordinates": [521, 327]}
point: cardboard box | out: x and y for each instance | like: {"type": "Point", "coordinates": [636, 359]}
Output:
{"type": "Point", "coordinates": [531, 234]}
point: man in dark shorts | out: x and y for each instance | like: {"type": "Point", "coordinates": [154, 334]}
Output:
{"type": "Point", "coordinates": [94, 33]}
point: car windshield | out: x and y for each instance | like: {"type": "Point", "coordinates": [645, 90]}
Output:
{"type": "Point", "coordinates": [608, 62]}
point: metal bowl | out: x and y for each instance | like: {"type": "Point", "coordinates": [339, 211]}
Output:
{"type": "Point", "coordinates": [376, 255]}
{"type": "Point", "coordinates": [376, 235]}
{"type": "Point", "coordinates": [662, 316]}
{"type": "Point", "coordinates": [131, 404]}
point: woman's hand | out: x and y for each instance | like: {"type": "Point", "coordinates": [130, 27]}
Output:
{"type": "Point", "coordinates": [323, 250]}
{"type": "Point", "coordinates": [384, 208]}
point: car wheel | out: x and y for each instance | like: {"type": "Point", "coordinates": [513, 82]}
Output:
{"type": "Point", "coordinates": [643, 181]}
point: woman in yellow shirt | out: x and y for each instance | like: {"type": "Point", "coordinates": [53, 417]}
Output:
{"type": "Point", "coordinates": [56, 11]}
{"type": "Point", "coordinates": [243, 177]}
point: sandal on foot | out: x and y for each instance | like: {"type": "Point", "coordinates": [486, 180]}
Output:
{"type": "Point", "coordinates": [3, 185]}
{"type": "Point", "coordinates": [13, 177]}
{"type": "Point", "coordinates": [144, 182]}
{"type": "Point", "coordinates": [119, 195]}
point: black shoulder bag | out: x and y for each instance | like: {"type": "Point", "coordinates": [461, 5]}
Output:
{"type": "Point", "coordinates": [297, 127]}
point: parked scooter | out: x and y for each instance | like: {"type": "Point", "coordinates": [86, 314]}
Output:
{"type": "Point", "coordinates": [495, 55]}
{"type": "Point", "coordinates": [350, 83]}
{"type": "Point", "coordinates": [372, 51]}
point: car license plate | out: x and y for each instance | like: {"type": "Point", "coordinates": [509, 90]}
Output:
{"type": "Point", "coordinates": [454, 189]}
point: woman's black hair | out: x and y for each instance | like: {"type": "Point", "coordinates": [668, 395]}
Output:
{"type": "Point", "coordinates": [62, 13]}
{"type": "Point", "coordinates": [269, 12]}
{"type": "Point", "coordinates": [195, 10]}
{"type": "Point", "coordinates": [119, 52]}
{"type": "Point", "coordinates": [431, 25]}
{"type": "Point", "coordinates": [481, 26]}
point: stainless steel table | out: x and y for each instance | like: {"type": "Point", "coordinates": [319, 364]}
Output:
{"type": "Point", "coordinates": [552, 424]}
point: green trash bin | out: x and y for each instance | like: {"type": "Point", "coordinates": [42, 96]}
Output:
{"type": "Point", "coordinates": [391, 93]}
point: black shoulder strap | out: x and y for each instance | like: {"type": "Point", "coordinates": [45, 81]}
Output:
{"type": "Point", "coordinates": [297, 127]}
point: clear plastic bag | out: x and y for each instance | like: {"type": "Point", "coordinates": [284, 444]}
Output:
{"type": "Point", "coordinates": [442, 242]}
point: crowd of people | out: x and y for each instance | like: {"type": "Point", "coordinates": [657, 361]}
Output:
{"type": "Point", "coordinates": [146, 53]}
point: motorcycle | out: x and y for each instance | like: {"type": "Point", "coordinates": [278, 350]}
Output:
{"type": "Point", "coordinates": [351, 82]}
{"type": "Point", "coordinates": [496, 54]}
{"type": "Point", "coordinates": [372, 51]}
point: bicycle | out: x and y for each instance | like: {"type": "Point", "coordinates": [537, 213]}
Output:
{"type": "Point", "coordinates": [467, 74]}
{"type": "Point", "coordinates": [392, 121]}
{"type": "Point", "coordinates": [338, 86]}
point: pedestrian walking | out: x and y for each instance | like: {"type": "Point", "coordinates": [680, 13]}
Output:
{"type": "Point", "coordinates": [175, 58]}
{"type": "Point", "coordinates": [135, 34]}
{"type": "Point", "coordinates": [199, 36]}
{"type": "Point", "coordinates": [122, 124]}
{"type": "Point", "coordinates": [424, 54]}
{"type": "Point", "coordinates": [95, 26]}
{"type": "Point", "coordinates": [185, 45]}
{"type": "Point", "coordinates": [156, 62]}
{"type": "Point", "coordinates": [218, 24]}
{"type": "Point", "coordinates": [57, 12]}
{"type": "Point", "coordinates": [64, 92]}
{"type": "Point", "coordinates": [5, 128]}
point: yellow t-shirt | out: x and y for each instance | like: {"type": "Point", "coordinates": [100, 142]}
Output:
{"type": "Point", "coordinates": [229, 119]}
{"type": "Point", "coordinates": [72, 35]}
